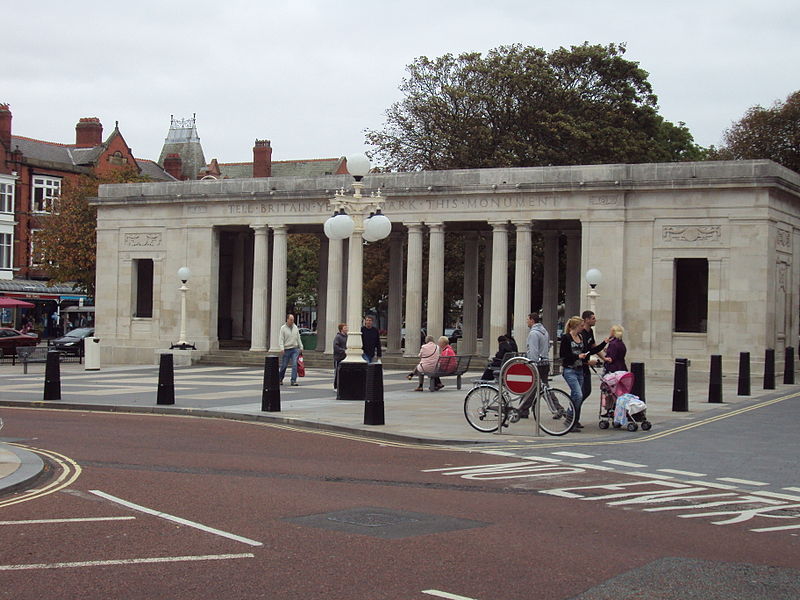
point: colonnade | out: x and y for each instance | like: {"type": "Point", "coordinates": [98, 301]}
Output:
{"type": "Point", "coordinates": [337, 299]}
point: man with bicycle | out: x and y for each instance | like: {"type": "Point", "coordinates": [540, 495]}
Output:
{"type": "Point", "coordinates": [538, 348]}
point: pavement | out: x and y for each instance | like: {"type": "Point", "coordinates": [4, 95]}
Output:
{"type": "Point", "coordinates": [434, 418]}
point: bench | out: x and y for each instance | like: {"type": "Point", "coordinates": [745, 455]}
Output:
{"type": "Point", "coordinates": [31, 354]}
{"type": "Point", "coordinates": [447, 366]}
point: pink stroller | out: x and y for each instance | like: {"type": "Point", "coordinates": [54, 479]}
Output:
{"type": "Point", "coordinates": [614, 386]}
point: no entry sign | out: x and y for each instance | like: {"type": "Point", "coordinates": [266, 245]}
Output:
{"type": "Point", "coordinates": [520, 377]}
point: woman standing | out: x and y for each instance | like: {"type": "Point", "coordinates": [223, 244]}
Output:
{"type": "Point", "coordinates": [616, 351]}
{"type": "Point", "coordinates": [574, 354]}
{"type": "Point", "coordinates": [339, 351]}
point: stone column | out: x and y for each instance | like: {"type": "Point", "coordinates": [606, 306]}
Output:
{"type": "Point", "coordinates": [355, 295]}
{"type": "Point", "coordinates": [322, 293]}
{"type": "Point", "coordinates": [488, 342]}
{"type": "Point", "coordinates": [435, 315]}
{"type": "Point", "coordinates": [573, 275]}
{"type": "Point", "coordinates": [522, 283]}
{"type": "Point", "coordinates": [258, 333]}
{"type": "Point", "coordinates": [278, 303]}
{"type": "Point", "coordinates": [468, 344]}
{"type": "Point", "coordinates": [499, 311]}
{"type": "Point", "coordinates": [333, 309]}
{"type": "Point", "coordinates": [550, 292]}
{"type": "Point", "coordinates": [413, 289]}
{"type": "Point", "coordinates": [395, 316]}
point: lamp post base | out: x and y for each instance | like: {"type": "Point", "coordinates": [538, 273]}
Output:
{"type": "Point", "coordinates": [352, 382]}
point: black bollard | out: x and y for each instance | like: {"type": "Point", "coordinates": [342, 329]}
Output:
{"type": "Point", "coordinates": [271, 396]}
{"type": "Point", "coordinates": [680, 390]}
{"type": "Point", "coordinates": [715, 379]}
{"type": "Point", "coordinates": [788, 366]}
{"type": "Point", "coordinates": [373, 404]}
{"type": "Point", "coordinates": [166, 380]}
{"type": "Point", "coordinates": [769, 369]}
{"type": "Point", "coordinates": [744, 374]}
{"type": "Point", "coordinates": [637, 369]}
{"type": "Point", "coordinates": [52, 376]}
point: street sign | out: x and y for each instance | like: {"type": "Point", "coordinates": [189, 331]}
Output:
{"type": "Point", "coordinates": [520, 377]}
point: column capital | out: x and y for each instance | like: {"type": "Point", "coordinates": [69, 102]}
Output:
{"type": "Point", "coordinates": [522, 225]}
{"type": "Point", "coordinates": [499, 225]}
{"type": "Point", "coordinates": [259, 227]}
{"type": "Point", "coordinates": [415, 227]}
{"type": "Point", "coordinates": [280, 228]}
{"type": "Point", "coordinates": [435, 226]}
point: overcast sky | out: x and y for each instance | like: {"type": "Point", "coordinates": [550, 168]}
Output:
{"type": "Point", "coordinates": [312, 75]}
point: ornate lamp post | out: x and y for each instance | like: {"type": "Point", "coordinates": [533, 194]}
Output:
{"type": "Point", "coordinates": [183, 274]}
{"type": "Point", "coordinates": [359, 218]}
{"type": "Point", "coordinates": [593, 277]}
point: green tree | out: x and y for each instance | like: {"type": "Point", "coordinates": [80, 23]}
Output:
{"type": "Point", "coordinates": [67, 240]}
{"type": "Point", "coordinates": [521, 106]}
{"type": "Point", "coordinates": [302, 270]}
{"type": "Point", "coordinates": [772, 133]}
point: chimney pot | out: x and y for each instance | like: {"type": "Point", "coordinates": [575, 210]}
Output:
{"type": "Point", "coordinates": [88, 132]}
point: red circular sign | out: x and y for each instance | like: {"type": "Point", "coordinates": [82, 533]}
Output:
{"type": "Point", "coordinates": [520, 377]}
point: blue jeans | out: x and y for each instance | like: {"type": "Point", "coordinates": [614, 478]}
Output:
{"type": "Point", "coordinates": [574, 379]}
{"type": "Point", "coordinates": [289, 355]}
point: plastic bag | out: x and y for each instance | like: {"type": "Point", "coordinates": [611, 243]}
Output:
{"type": "Point", "coordinates": [301, 366]}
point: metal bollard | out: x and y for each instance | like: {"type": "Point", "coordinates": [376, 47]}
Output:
{"type": "Point", "coordinates": [680, 390]}
{"type": "Point", "coordinates": [166, 380]}
{"type": "Point", "coordinates": [744, 374]}
{"type": "Point", "coordinates": [637, 369]}
{"type": "Point", "coordinates": [373, 405]}
{"type": "Point", "coordinates": [271, 396]}
{"type": "Point", "coordinates": [769, 369]}
{"type": "Point", "coordinates": [788, 366]}
{"type": "Point", "coordinates": [715, 379]}
{"type": "Point", "coordinates": [52, 376]}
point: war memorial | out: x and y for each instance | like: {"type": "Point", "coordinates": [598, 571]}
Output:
{"type": "Point", "coordinates": [696, 258]}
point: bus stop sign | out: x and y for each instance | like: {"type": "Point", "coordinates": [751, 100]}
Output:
{"type": "Point", "coordinates": [520, 377]}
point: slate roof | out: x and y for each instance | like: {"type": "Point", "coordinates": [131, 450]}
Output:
{"type": "Point", "coordinates": [285, 168]}
{"type": "Point", "coordinates": [66, 156]}
{"type": "Point", "coordinates": [153, 170]}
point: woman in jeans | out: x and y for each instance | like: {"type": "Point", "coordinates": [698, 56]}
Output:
{"type": "Point", "coordinates": [574, 353]}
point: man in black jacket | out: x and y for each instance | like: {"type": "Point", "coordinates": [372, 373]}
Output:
{"type": "Point", "coordinates": [370, 341]}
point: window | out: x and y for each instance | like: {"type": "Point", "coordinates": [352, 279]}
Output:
{"type": "Point", "coordinates": [691, 295]}
{"type": "Point", "coordinates": [6, 197]}
{"type": "Point", "coordinates": [36, 258]}
{"type": "Point", "coordinates": [45, 190]}
{"type": "Point", "coordinates": [6, 244]}
{"type": "Point", "coordinates": [143, 287]}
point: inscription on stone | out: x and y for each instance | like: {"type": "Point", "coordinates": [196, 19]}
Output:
{"type": "Point", "coordinates": [691, 233]}
{"type": "Point", "coordinates": [141, 240]}
{"type": "Point", "coordinates": [603, 200]}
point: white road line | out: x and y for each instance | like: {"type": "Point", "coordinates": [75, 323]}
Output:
{"type": "Point", "coordinates": [77, 520]}
{"type": "Point", "coordinates": [542, 459]}
{"type": "Point", "coordinates": [573, 454]}
{"type": "Point", "coordinates": [622, 463]}
{"type": "Point", "coordinates": [775, 495]}
{"type": "Point", "coordinates": [778, 528]}
{"type": "Point", "coordinates": [175, 519]}
{"type": "Point", "coordinates": [445, 595]}
{"type": "Point", "coordinates": [713, 484]}
{"type": "Point", "coordinates": [741, 481]}
{"type": "Point", "coordinates": [497, 452]}
{"type": "Point", "coordinates": [792, 489]}
{"type": "Point", "coordinates": [650, 475]}
{"type": "Point", "coordinates": [685, 473]}
{"type": "Point", "coordinates": [124, 561]}
{"type": "Point", "coordinates": [594, 467]}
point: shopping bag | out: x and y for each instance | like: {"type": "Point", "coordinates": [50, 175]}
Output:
{"type": "Point", "coordinates": [301, 366]}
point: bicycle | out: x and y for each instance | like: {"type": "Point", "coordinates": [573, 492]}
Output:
{"type": "Point", "coordinates": [482, 406]}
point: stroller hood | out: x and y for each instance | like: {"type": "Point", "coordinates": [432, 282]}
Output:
{"type": "Point", "coordinates": [621, 382]}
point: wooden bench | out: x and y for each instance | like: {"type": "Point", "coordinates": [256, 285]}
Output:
{"type": "Point", "coordinates": [32, 354]}
{"type": "Point", "coordinates": [447, 366]}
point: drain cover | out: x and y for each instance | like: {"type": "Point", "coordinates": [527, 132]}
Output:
{"type": "Point", "coordinates": [384, 523]}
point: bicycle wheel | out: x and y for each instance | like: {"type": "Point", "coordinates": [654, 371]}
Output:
{"type": "Point", "coordinates": [557, 412]}
{"type": "Point", "coordinates": [482, 409]}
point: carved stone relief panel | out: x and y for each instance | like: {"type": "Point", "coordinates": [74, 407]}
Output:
{"type": "Point", "coordinates": [783, 241]}
{"type": "Point", "coordinates": [141, 240]}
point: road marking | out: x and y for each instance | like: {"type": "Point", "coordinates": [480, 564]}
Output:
{"type": "Point", "coordinates": [123, 561]}
{"type": "Point", "coordinates": [445, 595]}
{"type": "Point", "coordinates": [77, 520]}
{"type": "Point", "coordinates": [684, 473]}
{"type": "Point", "coordinates": [175, 519]}
{"type": "Point", "coordinates": [497, 452]}
{"type": "Point", "coordinates": [713, 484]}
{"type": "Point", "coordinates": [69, 472]}
{"type": "Point", "coordinates": [622, 463]}
{"type": "Point", "coordinates": [573, 454]}
{"type": "Point", "coordinates": [650, 475]}
{"type": "Point", "coordinates": [741, 481]}
{"type": "Point", "coordinates": [543, 459]}
{"type": "Point", "coordinates": [792, 489]}
{"type": "Point", "coordinates": [775, 495]}
{"type": "Point", "coordinates": [778, 528]}
{"type": "Point", "coordinates": [594, 467]}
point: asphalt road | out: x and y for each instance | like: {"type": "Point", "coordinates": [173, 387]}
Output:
{"type": "Point", "coordinates": [203, 508]}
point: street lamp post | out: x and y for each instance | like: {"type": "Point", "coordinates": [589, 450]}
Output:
{"type": "Point", "coordinates": [359, 218]}
{"type": "Point", "coordinates": [183, 274]}
{"type": "Point", "coordinates": [593, 277]}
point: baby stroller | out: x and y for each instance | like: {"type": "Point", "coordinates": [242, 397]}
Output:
{"type": "Point", "coordinates": [618, 406]}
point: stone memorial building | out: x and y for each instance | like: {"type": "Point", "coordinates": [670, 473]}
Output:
{"type": "Point", "coordinates": [696, 258]}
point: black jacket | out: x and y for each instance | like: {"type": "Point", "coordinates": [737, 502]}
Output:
{"type": "Point", "coordinates": [371, 341]}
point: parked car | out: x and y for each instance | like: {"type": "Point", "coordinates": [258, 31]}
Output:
{"type": "Point", "coordinates": [72, 343]}
{"type": "Point", "coordinates": [11, 339]}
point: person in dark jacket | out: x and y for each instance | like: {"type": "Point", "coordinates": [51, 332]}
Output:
{"type": "Point", "coordinates": [370, 341]}
{"type": "Point", "coordinates": [339, 351]}
{"type": "Point", "coordinates": [616, 350]}
{"type": "Point", "coordinates": [504, 348]}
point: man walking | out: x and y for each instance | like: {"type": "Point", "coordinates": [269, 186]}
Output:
{"type": "Point", "coordinates": [289, 343]}
{"type": "Point", "coordinates": [538, 349]}
{"type": "Point", "coordinates": [370, 341]}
